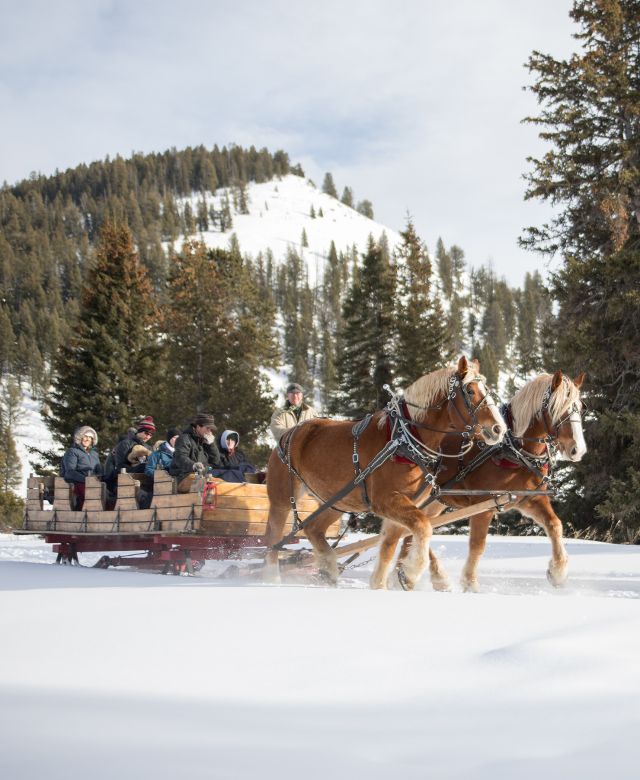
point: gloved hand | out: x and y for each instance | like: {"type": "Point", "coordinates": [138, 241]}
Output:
{"type": "Point", "coordinates": [208, 437]}
{"type": "Point", "coordinates": [198, 468]}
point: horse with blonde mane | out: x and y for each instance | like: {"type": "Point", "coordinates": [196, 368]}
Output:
{"type": "Point", "coordinates": [544, 416]}
{"type": "Point", "coordinates": [318, 457]}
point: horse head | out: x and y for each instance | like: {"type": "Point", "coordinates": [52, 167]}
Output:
{"type": "Point", "coordinates": [461, 400]}
{"type": "Point", "coordinates": [564, 412]}
{"type": "Point", "coordinates": [551, 403]}
{"type": "Point", "coordinates": [475, 403]}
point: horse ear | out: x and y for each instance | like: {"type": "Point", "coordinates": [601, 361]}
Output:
{"type": "Point", "coordinates": [556, 380]}
{"type": "Point", "coordinates": [475, 362]}
{"type": "Point", "coordinates": [463, 366]}
{"type": "Point", "coordinates": [579, 380]}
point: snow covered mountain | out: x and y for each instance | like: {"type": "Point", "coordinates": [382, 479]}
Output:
{"type": "Point", "coordinates": [279, 211]}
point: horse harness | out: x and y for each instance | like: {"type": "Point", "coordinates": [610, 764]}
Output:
{"type": "Point", "coordinates": [510, 453]}
{"type": "Point", "coordinates": [402, 443]}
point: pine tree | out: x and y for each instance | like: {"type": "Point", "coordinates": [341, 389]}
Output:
{"type": "Point", "coordinates": [355, 394]}
{"type": "Point", "coordinates": [347, 197]}
{"type": "Point", "coordinates": [99, 374]}
{"type": "Point", "coordinates": [445, 269]}
{"type": "Point", "coordinates": [217, 332]}
{"type": "Point", "coordinates": [534, 316]}
{"type": "Point", "coordinates": [330, 322]}
{"type": "Point", "coordinates": [420, 322]}
{"type": "Point", "coordinates": [188, 220]}
{"type": "Point", "coordinates": [11, 414]}
{"type": "Point", "coordinates": [367, 349]}
{"type": "Point", "coordinates": [202, 218]}
{"type": "Point", "coordinates": [7, 341]}
{"type": "Point", "coordinates": [304, 241]}
{"type": "Point", "coordinates": [590, 109]}
{"type": "Point", "coordinates": [328, 187]}
{"type": "Point", "coordinates": [365, 207]}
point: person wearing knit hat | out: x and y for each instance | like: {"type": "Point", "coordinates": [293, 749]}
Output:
{"type": "Point", "coordinates": [195, 451]}
{"type": "Point", "coordinates": [146, 425]}
{"type": "Point", "coordinates": [81, 460]}
{"type": "Point", "coordinates": [119, 458]}
{"type": "Point", "coordinates": [294, 412]}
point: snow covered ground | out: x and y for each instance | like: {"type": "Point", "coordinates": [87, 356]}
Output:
{"type": "Point", "coordinates": [121, 674]}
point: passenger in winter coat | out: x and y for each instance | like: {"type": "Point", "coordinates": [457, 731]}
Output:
{"type": "Point", "coordinates": [294, 412]}
{"type": "Point", "coordinates": [236, 465]}
{"type": "Point", "coordinates": [119, 457]}
{"type": "Point", "coordinates": [162, 454]}
{"type": "Point", "coordinates": [79, 461]}
{"type": "Point", "coordinates": [144, 432]}
{"type": "Point", "coordinates": [195, 452]}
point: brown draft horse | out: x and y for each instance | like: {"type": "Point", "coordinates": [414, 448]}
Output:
{"type": "Point", "coordinates": [546, 413]}
{"type": "Point", "coordinates": [448, 402]}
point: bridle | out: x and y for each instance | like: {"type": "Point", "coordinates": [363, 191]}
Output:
{"type": "Point", "coordinates": [455, 385]}
{"type": "Point", "coordinates": [550, 440]}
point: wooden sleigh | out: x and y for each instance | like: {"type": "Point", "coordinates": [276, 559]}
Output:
{"type": "Point", "coordinates": [178, 531]}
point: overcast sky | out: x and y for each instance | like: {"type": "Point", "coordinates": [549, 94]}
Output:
{"type": "Point", "coordinates": [415, 104]}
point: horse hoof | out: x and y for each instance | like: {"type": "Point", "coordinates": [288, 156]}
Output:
{"type": "Point", "coordinates": [441, 585]}
{"type": "Point", "coordinates": [326, 578]}
{"type": "Point", "coordinates": [470, 586]}
{"type": "Point", "coordinates": [405, 582]}
{"type": "Point", "coordinates": [555, 580]}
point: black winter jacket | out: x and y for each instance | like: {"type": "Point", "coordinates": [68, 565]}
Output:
{"type": "Point", "coordinates": [190, 449]}
{"type": "Point", "coordinates": [122, 449]}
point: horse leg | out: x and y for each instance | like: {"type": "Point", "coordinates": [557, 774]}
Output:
{"type": "Point", "coordinates": [541, 512]}
{"type": "Point", "coordinates": [390, 537]}
{"type": "Point", "coordinates": [275, 532]}
{"type": "Point", "coordinates": [325, 555]}
{"type": "Point", "coordinates": [439, 578]}
{"type": "Point", "coordinates": [402, 511]}
{"type": "Point", "coordinates": [479, 526]}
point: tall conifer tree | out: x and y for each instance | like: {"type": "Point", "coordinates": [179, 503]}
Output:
{"type": "Point", "coordinates": [99, 374]}
{"type": "Point", "coordinates": [590, 116]}
{"type": "Point", "coordinates": [420, 322]}
{"type": "Point", "coordinates": [367, 343]}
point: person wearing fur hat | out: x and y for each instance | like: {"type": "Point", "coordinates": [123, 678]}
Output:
{"type": "Point", "coordinates": [235, 465]}
{"type": "Point", "coordinates": [81, 460]}
{"type": "Point", "coordinates": [294, 412]}
{"type": "Point", "coordinates": [195, 452]}
{"type": "Point", "coordinates": [162, 454]}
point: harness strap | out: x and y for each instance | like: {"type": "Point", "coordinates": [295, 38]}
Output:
{"type": "Point", "coordinates": [357, 429]}
{"type": "Point", "coordinates": [382, 457]}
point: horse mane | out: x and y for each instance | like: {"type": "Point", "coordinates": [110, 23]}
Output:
{"type": "Point", "coordinates": [432, 388]}
{"type": "Point", "coordinates": [527, 402]}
